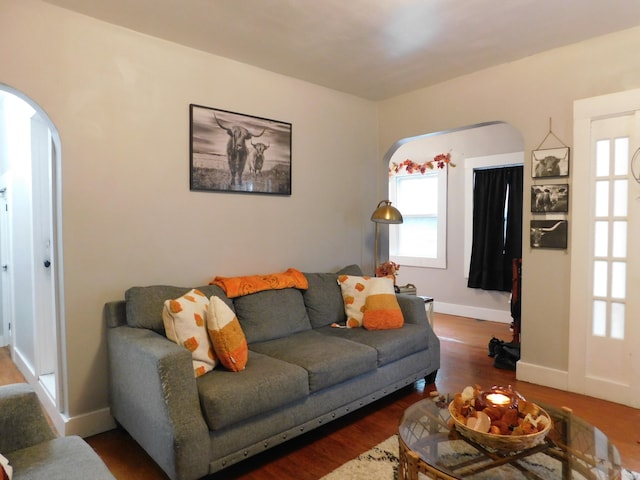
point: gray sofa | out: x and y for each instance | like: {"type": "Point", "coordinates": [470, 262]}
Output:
{"type": "Point", "coordinates": [301, 372]}
{"type": "Point", "coordinates": [32, 448]}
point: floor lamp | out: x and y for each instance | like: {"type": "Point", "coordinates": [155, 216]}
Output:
{"type": "Point", "coordinates": [384, 213]}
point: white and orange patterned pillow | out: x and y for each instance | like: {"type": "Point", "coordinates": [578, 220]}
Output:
{"type": "Point", "coordinates": [370, 302]}
{"type": "Point", "coordinates": [184, 321]}
{"type": "Point", "coordinates": [227, 337]}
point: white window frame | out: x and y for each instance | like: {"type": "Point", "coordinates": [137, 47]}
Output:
{"type": "Point", "coordinates": [440, 261]}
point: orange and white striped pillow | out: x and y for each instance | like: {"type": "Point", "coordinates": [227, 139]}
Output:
{"type": "Point", "coordinates": [184, 321]}
{"type": "Point", "coordinates": [6, 471]}
{"type": "Point", "coordinates": [227, 337]}
{"type": "Point", "coordinates": [370, 302]}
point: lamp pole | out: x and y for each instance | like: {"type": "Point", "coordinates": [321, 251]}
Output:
{"type": "Point", "coordinates": [384, 213]}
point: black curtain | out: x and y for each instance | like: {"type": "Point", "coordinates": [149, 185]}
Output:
{"type": "Point", "coordinates": [493, 250]}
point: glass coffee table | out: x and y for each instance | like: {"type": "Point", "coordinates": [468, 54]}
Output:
{"type": "Point", "coordinates": [573, 449]}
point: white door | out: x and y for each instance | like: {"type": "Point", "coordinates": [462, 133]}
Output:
{"type": "Point", "coordinates": [6, 287]}
{"type": "Point", "coordinates": [604, 356]}
{"type": "Point", "coordinates": [43, 276]}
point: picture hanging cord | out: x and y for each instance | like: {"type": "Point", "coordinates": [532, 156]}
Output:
{"type": "Point", "coordinates": [547, 136]}
{"type": "Point", "coordinates": [636, 175]}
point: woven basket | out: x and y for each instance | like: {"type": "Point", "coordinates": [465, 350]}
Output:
{"type": "Point", "coordinates": [502, 443]}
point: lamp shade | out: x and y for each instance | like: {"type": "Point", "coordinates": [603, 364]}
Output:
{"type": "Point", "coordinates": [386, 213]}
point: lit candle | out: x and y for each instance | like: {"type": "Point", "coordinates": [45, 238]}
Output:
{"type": "Point", "coordinates": [498, 399]}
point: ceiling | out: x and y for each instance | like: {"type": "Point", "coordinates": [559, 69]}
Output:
{"type": "Point", "coordinates": [374, 49]}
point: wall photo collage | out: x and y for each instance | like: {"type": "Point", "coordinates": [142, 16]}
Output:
{"type": "Point", "coordinates": [550, 196]}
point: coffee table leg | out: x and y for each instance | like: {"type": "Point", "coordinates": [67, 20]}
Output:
{"type": "Point", "coordinates": [408, 465]}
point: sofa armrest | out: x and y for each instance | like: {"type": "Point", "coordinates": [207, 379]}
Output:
{"type": "Point", "coordinates": [22, 420]}
{"type": "Point", "coordinates": [413, 309]}
{"type": "Point", "coordinates": [154, 397]}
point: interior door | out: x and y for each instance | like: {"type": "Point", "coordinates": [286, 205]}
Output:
{"type": "Point", "coordinates": [5, 255]}
{"type": "Point", "coordinates": [604, 358]}
{"type": "Point", "coordinates": [44, 277]}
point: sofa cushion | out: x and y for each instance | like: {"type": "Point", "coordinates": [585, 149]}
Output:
{"type": "Point", "coordinates": [68, 458]}
{"type": "Point", "coordinates": [328, 360]}
{"type": "Point", "coordinates": [185, 324]}
{"type": "Point", "coordinates": [352, 269]}
{"type": "Point", "coordinates": [323, 299]}
{"type": "Point", "coordinates": [265, 385]}
{"type": "Point", "coordinates": [391, 345]}
{"type": "Point", "coordinates": [227, 337]}
{"type": "Point", "coordinates": [144, 304]}
{"type": "Point", "coordinates": [271, 314]}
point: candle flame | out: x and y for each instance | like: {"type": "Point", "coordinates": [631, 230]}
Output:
{"type": "Point", "coordinates": [498, 399]}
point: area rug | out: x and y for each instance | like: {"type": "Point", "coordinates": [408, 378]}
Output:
{"type": "Point", "coordinates": [381, 463]}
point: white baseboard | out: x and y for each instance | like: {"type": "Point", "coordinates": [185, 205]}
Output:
{"type": "Point", "coordinates": [502, 316]}
{"type": "Point", "coordinates": [91, 423]}
{"type": "Point", "coordinates": [549, 377]}
{"type": "Point", "coordinates": [83, 425]}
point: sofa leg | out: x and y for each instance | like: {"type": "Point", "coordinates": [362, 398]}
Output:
{"type": "Point", "coordinates": [431, 378]}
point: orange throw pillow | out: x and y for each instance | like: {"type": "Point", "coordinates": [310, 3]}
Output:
{"type": "Point", "coordinates": [370, 302]}
{"type": "Point", "coordinates": [184, 321]}
{"type": "Point", "coordinates": [227, 337]}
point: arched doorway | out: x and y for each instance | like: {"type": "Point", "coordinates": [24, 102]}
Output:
{"type": "Point", "coordinates": [471, 147]}
{"type": "Point", "coordinates": [30, 253]}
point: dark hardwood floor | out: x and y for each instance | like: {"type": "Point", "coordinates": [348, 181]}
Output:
{"type": "Point", "coordinates": [464, 362]}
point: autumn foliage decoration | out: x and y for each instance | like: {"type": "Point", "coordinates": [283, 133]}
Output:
{"type": "Point", "coordinates": [439, 161]}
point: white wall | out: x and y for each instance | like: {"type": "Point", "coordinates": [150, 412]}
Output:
{"type": "Point", "coordinates": [120, 102]}
{"type": "Point", "coordinates": [525, 94]}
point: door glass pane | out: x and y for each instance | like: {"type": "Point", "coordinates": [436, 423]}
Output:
{"type": "Point", "coordinates": [620, 198]}
{"type": "Point", "coordinates": [617, 320]}
{"type": "Point", "coordinates": [599, 318]}
{"type": "Point", "coordinates": [621, 156]}
{"type": "Point", "coordinates": [619, 239]}
{"type": "Point", "coordinates": [600, 279]}
{"type": "Point", "coordinates": [419, 237]}
{"type": "Point", "coordinates": [602, 158]}
{"type": "Point", "coordinates": [618, 279]}
{"type": "Point", "coordinates": [601, 239]}
{"type": "Point", "coordinates": [602, 199]}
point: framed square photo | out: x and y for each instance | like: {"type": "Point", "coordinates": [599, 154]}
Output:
{"type": "Point", "coordinates": [552, 162]}
{"type": "Point", "coordinates": [549, 233]}
{"type": "Point", "coordinates": [233, 152]}
{"type": "Point", "coordinates": [550, 198]}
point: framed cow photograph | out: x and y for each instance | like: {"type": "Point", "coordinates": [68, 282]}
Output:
{"type": "Point", "coordinates": [548, 233]}
{"type": "Point", "coordinates": [552, 162]}
{"type": "Point", "coordinates": [552, 198]}
{"type": "Point", "coordinates": [233, 152]}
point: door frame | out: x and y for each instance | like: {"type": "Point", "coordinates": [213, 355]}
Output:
{"type": "Point", "coordinates": [55, 407]}
{"type": "Point", "coordinates": [585, 112]}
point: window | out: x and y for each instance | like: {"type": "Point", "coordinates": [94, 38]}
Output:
{"type": "Point", "coordinates": [610, 236]}
{"type": "Point", "coordinates": [420, 240]}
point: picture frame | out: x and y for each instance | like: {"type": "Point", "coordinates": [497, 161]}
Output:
{"type": "Point", "coordinates": [238, 153]}
{"type": "Point", "coordinates": [550, 198]}
{"type": "Point", "coordinates": [549, 233]}
{"type": "Point", "coordinates": [550, 162]}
